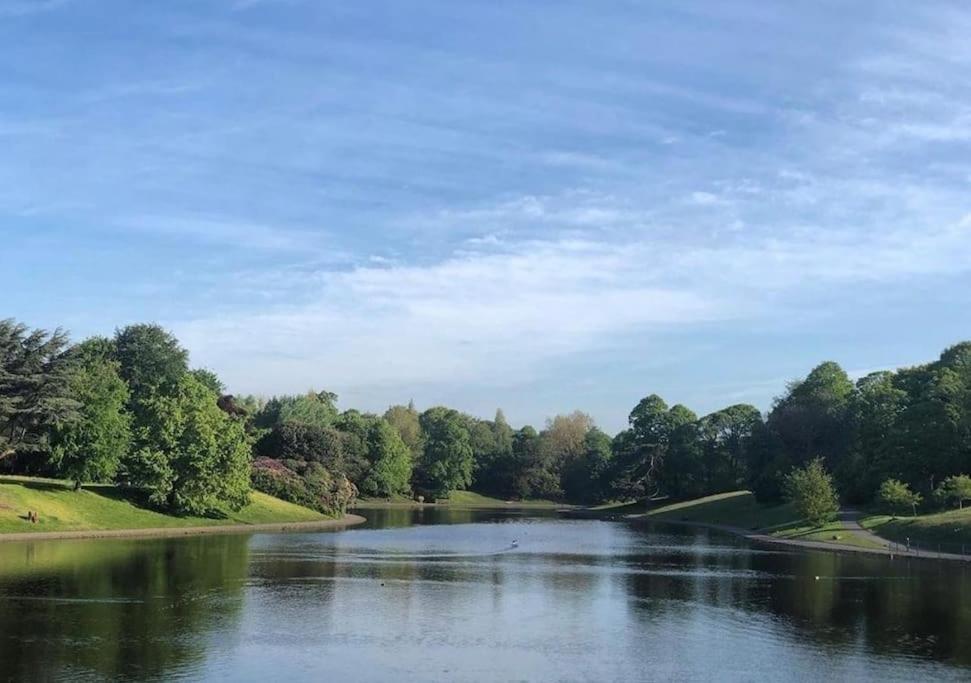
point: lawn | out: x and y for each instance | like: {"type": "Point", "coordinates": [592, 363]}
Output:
{"type": "Point", "coordinates": [831, 532]}
{"type": "Point", "coordinates": [951, 530]}
{"type": "Point", "coordinates": [736, 508]}
{"type": "Point", "coordinates": [740, 509]}
{"type": "Point", "coordinates": [462, 499]}
{"type": "Point", "coordinates": [470, 499]}
{"type": "Point", "coordinates": [60, 508]}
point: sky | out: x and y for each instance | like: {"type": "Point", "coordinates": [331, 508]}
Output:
{"type": "Point", "coordinates": [539, 206]}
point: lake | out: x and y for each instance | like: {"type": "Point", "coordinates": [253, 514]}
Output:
{"type": "Point", "coordinates": [444, 595]}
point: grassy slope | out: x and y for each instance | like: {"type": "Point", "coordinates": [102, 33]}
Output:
{"type": "Point", "coordinates": [471, 499]}
{"type": "Point", "coordinates": [740, 509]}
{"type": "Point", "coordinates": [952, 529]}
{"type": "Point", "coordinates": [107, 507]}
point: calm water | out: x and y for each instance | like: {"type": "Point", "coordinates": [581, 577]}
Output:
{"type": "Point", "coordinates": [441, 596]}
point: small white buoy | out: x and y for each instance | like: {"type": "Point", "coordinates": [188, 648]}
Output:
{"type": "Point", "coordinates": [817, 578]}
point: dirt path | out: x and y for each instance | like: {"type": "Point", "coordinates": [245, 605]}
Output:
{"type": "Point", "coordinates": [851, 522]}
{"type": "Point", "coordinates": [280, 527]}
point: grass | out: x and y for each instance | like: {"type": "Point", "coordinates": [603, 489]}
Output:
{"type": "Point", "coordinates": [831, 532]}
{"type": "Point", "coordinates": [736, 508]}
{"type": "Point", "coordinates": [740, 509]}
{"type": "Point", "coordinates": [462, 499]}
{"type": "Point", "coordinates": [60, 508]}
{"type": "Point", "coordinates": [951, 530]}
{"type": "Point", "coordinates": [470, 499]}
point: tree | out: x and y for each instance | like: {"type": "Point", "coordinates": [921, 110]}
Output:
{"type": "Point", "coordinates": [955, 489]}
{"type": "Point", "coordinates": [814, 418]}
{"type": "Point", "coordinates": [91, 446]}
{"type": "Point", "coordinates": [355, 427]}
{"type": "Point", "coordinates": [896, 495]}
{"type": "Point", "coordinates": [314, 408]}
{"type": "Point", "coordinates": [210, 379]}
{"type": "Point", "coordinates": [585, 478]}
{"type": "Point", "coordinates": [35, 387]}
{"type": "Point", "coordinates": [727, 440]}
{"type": "Point", "coordinates": [190, 456]}
{"type": "Point", "coordinates": [150, 359]}
{"type": "Point", "coordinates": [810, 489]}
{"type": "Point", "coordinates": [640, 452]}
{"type": "Point", "coordinates": [683, 473]}
{"type": "Point", "coordinates": [307, 442]}
{"type": "Point", "coordinates": [447, 462]}
{"type": "Point", "coordinates": [876, 454]}
{"type": "Point", "coordinates": [390, 462]}
{"type": "Point", "coordinates": [494, 462]}
{"type": "Point", "coordinates": [564, 436]}
{"type": "Point", "coordinates": [405, 421]}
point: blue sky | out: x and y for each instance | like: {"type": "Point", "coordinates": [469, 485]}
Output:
{"type": "Point", "coordinates": [536, 205]}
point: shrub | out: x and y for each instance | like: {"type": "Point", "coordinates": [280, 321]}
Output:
{"type": "Point", "coordinates": [308, 484]}
{"type": "Point", "coordinates": [896, 495]}
{"type": "Point", "coordinates": [276, 479]}
{"type": "Point", "coordinates": [300, 441]}
{"type": "Point", "coordinates": [956, 489]}
{"type": "Point", "coordinates": [810, 489]}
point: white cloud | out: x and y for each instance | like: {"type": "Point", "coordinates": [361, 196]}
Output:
{"type": "Point", "coordinates": [456, 321]}
{"type": "Point", "coordinates": [497, 316]}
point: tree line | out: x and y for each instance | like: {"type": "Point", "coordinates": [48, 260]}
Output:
{"type": "Point", "coordinates": [129, 409]}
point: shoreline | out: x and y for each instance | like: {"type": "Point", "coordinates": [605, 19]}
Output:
{"type": "Point", "coordinates": [765, 539]}
{"type": "Point", "coordinates": [348, 520]}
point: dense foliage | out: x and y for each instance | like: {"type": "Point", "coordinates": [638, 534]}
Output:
{"type": "Point", "coordinates": [131, 409]}
{"type": "Point", "coordinates": [91, 445]}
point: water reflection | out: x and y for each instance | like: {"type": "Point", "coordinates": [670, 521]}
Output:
{"type": "Point", "coordinates": [116, 609]}
{"type": "Point", "coordinates": [441, 595]}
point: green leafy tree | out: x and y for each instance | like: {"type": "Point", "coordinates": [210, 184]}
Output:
{"type": "Point", "coordinates": [355, 428]}
{"type": "Point", "coordinates": [814, 418]}
{"type": "Point", "coordinates": [585, 478]}
{"type": "Point", "coordinates": [896, 495]}
{"type": "Point", "coordinates": [314, 408]}
{"type": "Point", "coordinates": [91, 446]}
{"type": "Point", "coordinates": [876, 454]}
{"type": "Point", "coordinates": [299, 441]}
{"type": "Point", "coordinates": [641, 451]}
{"type": "Point", "coordinates": [390, 462]}
{"type": "Point", "coordinates": [727, 439]}
{"type": "Point", "coordinates": [35, 388]}
{"type": "Point", "coordinates": [447, 461]}
{"type": "Point", "coordinates": [810, 490]}
{"type": "Point", "coordinates": [150, 360]}
{"type": "Point", "coordinates": [210, 379]}
{"type": "Point", "coordinates": [190, 456]}
{"type": "Point", "coordinates": [955, 490]}
{"type": "Point", "coordinates": [405, 421]}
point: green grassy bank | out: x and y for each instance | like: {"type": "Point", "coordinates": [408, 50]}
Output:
{"type": "Point", "coordinates": [739, 509]}
{"type": "Point", "coordinates": [951, 530]}
{"type": "Point", "coordinates": [462, 499]}
{"type": "Point", "coordinates": [60, 508]}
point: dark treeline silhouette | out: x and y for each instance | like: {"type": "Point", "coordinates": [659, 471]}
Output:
{"type": "Point", "coordinates": [129, 409]}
